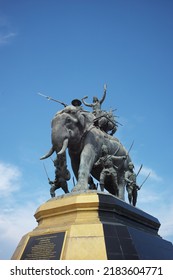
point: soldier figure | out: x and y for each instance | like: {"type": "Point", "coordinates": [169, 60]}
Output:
{"type": "Point", "coordinates": [96, 105]}
{"type": "Point", "coordinates": [131, 187]}
{"type": "Point", "coordinates": [62, 175]}
{"type": "Point", "coordinates": [103, 119]}
{"type": "Point", "coordinates": [109, 171]}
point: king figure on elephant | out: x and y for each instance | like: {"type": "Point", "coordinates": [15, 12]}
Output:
{"type": "Point", "coordinates": [103, 119]}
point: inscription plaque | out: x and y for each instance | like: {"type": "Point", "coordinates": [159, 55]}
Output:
{"type": "Point", "coordinates": [44, 247]}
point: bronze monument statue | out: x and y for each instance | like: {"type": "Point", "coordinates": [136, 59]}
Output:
{"type": "Point", "coordinates": [89, 224]}
{"type": "Point", "coordinates": [74, 128]}
{"type": "Point", "coordinates": [93, 150]}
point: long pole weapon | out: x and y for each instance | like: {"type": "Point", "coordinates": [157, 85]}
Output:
{"type": "Point", "coordinates": [46, 172]}
{"type": "Point", "coordinates": [130, 148]}
{"type": "Point", "coordinates": [50, 98]}
{"type": "Point", "coordinates": [145, 180]}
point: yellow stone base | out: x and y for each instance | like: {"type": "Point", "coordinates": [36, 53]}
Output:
{"type": "Point", "coordinates": [75, 215]}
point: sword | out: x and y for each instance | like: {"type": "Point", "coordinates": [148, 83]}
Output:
{"type": "Point", "coordinates": [145, 180]}
{"type": "Point", "coordinates": [130, 148]}
{"type": "Point", "coordinates": [50, 98]}
{"type": "Point", "coordinates": [139, 170]}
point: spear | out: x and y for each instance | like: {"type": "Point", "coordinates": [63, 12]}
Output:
{"type": "Point", "coordinates": [50, 98]}
{"type": "Point", "coordinates": [130, 148]}
{"type": "Point", "coordinates": [46, 172]}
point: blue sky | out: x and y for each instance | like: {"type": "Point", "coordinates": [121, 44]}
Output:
{"type": "Point", "coordinates": [68, 49]}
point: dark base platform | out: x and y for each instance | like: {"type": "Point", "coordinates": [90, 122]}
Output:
{"type": "Point", "coordinates": [131, 233]}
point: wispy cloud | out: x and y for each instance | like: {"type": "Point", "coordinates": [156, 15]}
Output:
{"type": "Point", "coordinates": [166, 214]}
{"type": "Point", "coordinates": [157, 200]}
{"type": "Point", "coordinates": [162, 209]}
{"type": "Point", "coordinates": [13, 225]}
{"type": "Point", "coordinates": [10, 176]}
{"type": "Point", "coordinates": [16, 209]}
{"type": "Point", "coordinates": [147, 170]}
{"type": "Point", "coordinates": [6, 38]}
{"type": "Point", "coordinates": [6, 33]}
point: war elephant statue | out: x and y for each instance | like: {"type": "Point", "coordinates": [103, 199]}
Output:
{"type": "Point", "coordinates": [74, 128]}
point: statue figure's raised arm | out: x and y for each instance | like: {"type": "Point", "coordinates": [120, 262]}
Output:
{"type": "Point", "coordinates": [85, 103]}
{"type": "Point", "coordinates": [104, 94]}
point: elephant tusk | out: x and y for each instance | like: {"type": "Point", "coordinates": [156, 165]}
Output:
{"type": "Point", "coordinates": [48, 154]}
{"type": "Point", "coordinates": [64, 147]}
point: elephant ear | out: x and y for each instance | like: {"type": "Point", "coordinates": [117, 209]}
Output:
{"type": "Point", "coordinates": [81, 119]}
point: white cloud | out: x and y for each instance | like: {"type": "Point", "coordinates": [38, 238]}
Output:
{"type": "Point", "coordinates": [10, 176]}
{"type": "Point", "coordinates": [148, 196]}
{"type": "Point", "coordinates": [146, 170]}
{"type": "Point", "coordinates": [5, 38]}
{"type": "Point", "coordinates": [157, 200]}
{"type": "Point", "coordinates": [13, 225]}
{"type": "Point", "coordinates": [16, 208]}
{"type": "Point", "coordinates": [6, 35]}
{"type": "Point", "coordinates": [166, 219]}
{"type": "Point", "coordinates": [164, 213]}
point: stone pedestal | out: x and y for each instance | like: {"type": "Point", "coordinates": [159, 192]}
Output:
{"type": "Point", "coordinates": [92, 226]}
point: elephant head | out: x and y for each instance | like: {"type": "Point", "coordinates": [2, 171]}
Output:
{"type": "Point", "coordinates": [68, 126]}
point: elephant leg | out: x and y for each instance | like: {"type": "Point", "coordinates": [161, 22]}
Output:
{"type": "Point", "coordinates": [86, 162]}
{"type": "Point", "coordinates": [75, 161]}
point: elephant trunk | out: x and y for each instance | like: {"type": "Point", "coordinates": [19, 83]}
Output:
{"type": "Point", "coordinates": [64, 147]}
